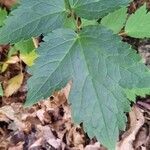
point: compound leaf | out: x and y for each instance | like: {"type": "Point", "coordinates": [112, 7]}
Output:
{"type": "Point", "coordinates": [33, 18]}
{"type": "Point", "coordinates": [104, 71]}
{"type": "Point", "coordinates": [115, 20]}
{"type": "Point", "coordinates": [95, 9]}
{"type": "Point", "coordinates": [138, 24]}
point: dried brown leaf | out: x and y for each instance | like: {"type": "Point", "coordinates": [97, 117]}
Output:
{"type": "Point", "coordinates": [136, 122]}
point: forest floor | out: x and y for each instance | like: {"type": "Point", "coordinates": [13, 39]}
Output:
{"type": "Point", "coordinates": [48, 125]}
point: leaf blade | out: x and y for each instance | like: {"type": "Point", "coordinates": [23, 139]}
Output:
{"type": "Point", "coordinates": [115, 20]}
{"type": "Point", "coordinates": [138, 24]}
{"type": "Point", "coordinates": [3, 16]}
{"type": "Point", "coordinates": [104, 73]}
{"type": "Point", "coordinates": [13, 85]}
{"type": "Point", "coordinates": [28, 20]}
{"type": "Point", "coordinates": [95, 9]}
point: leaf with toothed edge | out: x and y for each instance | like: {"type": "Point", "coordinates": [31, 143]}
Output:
{"type": "Point", "coordinates": [105, 73]}
{"type": "Point", "coordinates": [95, 9]}
{"type": "Point", "coordinates": [32, 18]}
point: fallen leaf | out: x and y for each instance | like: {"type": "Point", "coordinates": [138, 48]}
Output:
{"type": "Point", "coordinates": [136, 122]}
{"type": "Point", "coordinates": [37, 143]}
{"type": "Point", "coordinates": [19, 146]}
{"type": "Point", "coordinates": [58, 99]}
{"type": "Point", "coordinates": [76, 137]}
{"type": "Point", "coordinates": [49, 137]}
{"type": "Point", "coordinates": [4, 67]}
{"type": "Point", "coordinates": [8, 111]}
{"type": "Point", "coordinates": [95, 146]}
{"type": "Point", "coordinates": [141, 137]}
{"type": "Point", "coordinates": [40, 115]}
{"type": "Point", "coordinates": [4, 118]}
{"type": "Point", "coordinates": [12, 60]}
{"type": "Point", "coordinates": [13, 85]}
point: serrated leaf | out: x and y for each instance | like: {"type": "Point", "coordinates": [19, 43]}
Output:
{"type": "Point", "coordinates": [95, 9]}
{"type": "Point", "coordinates": [33, 18]}
{"type": "Point", "coordinates": [115, 20]}
{"type": "Point", "coordinates": [101, 68]}
{"type": "Point", "coordinates": [29, 58]}
{"type": "Point", "coordinates": [1, 90]}
{"type": "Point", "coordinates": [25, 47]}
{"type": "Point", "coordinates": [138, 24]}
{"type": "Point", "coordinates": [3, 16]}
{"type": "Point", "coordinates": [13, 85]}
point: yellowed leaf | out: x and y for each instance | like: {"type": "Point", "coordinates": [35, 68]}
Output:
{"type": "Point", "coordinates": [29, 58]}
{"type": "Point", "coordinates": [13, 85]}
{"type": "Point", "coordinates": [4, 67]}
{"type": "Point", "coordinates": [12, 60]}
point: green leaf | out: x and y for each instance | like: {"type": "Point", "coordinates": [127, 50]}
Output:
{"type": "Point", "coordinates": [33, 18]}
{"type": "Point", "coordinates": [86, 22]}
{"type": "Point", "coordinates": [25, 47]}
{"type": "Point", "coordinates": [102, 69]}
{"type": "Point", "coordinates": [115, 20]}
{"type": "Point", "coordinates": [70, 23]}
{"type": "Point", "coordinates": [1, 90]}
{"type": "Point", "coordinates": [95, 9]}
{"type": "Point", "coordinates": [138, 24]}
{"type": "Point", "coordinates": [3, 16]}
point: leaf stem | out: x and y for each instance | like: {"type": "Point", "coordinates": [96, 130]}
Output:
{"type": "Point", "coordinates": [122, 34]}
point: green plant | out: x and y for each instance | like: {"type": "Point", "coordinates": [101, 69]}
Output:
{"type": "Point", "coordinates": [106, 73]}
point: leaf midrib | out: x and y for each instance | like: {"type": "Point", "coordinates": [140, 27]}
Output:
{"type": "Point", "coordinates": [88, 70]}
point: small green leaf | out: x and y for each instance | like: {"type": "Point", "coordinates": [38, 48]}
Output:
{"type": "Point", "coordinates": [86, 22]}
{"type": "Point", "coordinates": [1, 90]}
{"type": "Point", "coordinates": [102, 69]}
{"type": "Point", "coordinates": [115, 20]}
{"type": "Point", "coordinates": [95, 9]}
{"type": "Point", "coordinates": [3, 16]}
{"type": "Point", "coordinates": [25, 47]}
{"type": "Point", "coordinates": [138, 24]}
